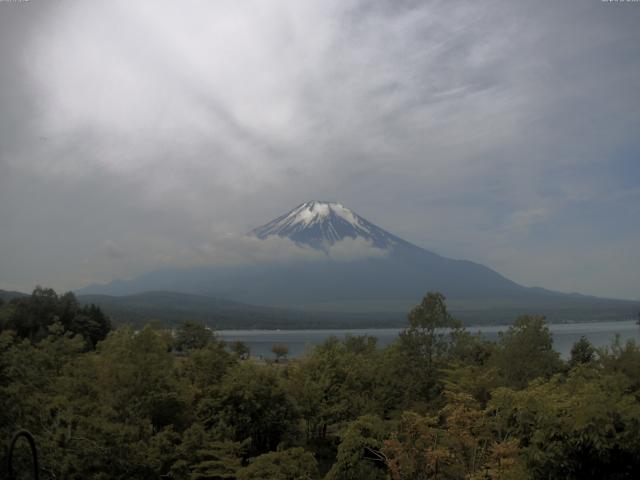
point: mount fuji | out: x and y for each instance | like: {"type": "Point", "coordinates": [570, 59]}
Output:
{"type": "Point", "coordinates": [387, 283]}
{"type": "Point", "coordinates": [322, 224]}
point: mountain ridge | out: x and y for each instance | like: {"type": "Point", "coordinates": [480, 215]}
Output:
{"type": "Point", "coordinates": [394, 282]}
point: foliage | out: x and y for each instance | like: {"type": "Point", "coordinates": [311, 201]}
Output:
{"type": "Point", "coordinates": [418, 356]}
{"type": "Point", "coordinates": [32, 317]}
{"type": "Point", "coordinates": [437, 403]}
{"type": "Point", "coordinates": [623, 359]}
{"type": "Point", "coordinates": [201, 457]}
{"type": "Point", "coordinates": [359, 454]}
{"type": "Point", "coordinates": [581, 426]}
{"type": "Point", "coordinates": [280, 350]}
{"type": "Point", "coordinates": [582, 353]}
{"type": "Point", "coordinates": [240, 349]}
{"type": "Point", "coordinates": [335, 385]}
{"type": "Point", "coordinates": [206, 366]}
{"type": "Point", "coordinates": [291, 464]}
{"type": "Point", "coordinates": [191, 336]}
{"type": "Point", "coordinates": [459, 443]}
{"type": "Point", "coordinates": [429, 324]}
{"type": "Point", "coordinates": [250, 403]}
{"type": "Point", "coordinates": [526, 352]}
{"type": "Point", "coordinates": [414, 450]}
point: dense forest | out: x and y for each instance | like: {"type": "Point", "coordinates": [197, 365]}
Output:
{"type": "Point", "coordinates": [438, 403]}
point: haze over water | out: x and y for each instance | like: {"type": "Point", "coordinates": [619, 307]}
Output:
{"type": "Point", "coordinates": [600, 334]}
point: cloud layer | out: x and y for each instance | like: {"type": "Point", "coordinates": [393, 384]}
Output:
{"type": "Point", "coordinates": [502, 132]}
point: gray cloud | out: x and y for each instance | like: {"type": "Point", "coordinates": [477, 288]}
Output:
{"type": "Point", "coordinates": [503, 132]}
{"type": "Point", "coordinates": [233, 249]}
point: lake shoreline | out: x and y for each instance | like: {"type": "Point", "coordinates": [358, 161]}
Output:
{"type": "Point", "coordinates": [300, 341]}
{"type": "Point", "coordinates": [389, 327]}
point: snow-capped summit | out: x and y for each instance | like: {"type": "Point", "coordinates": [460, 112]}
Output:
{"type": "Point", "coordinates": [321, 224]}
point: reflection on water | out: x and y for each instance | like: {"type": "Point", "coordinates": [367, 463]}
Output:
{"type": "Point", "coordinates": [299, 341]}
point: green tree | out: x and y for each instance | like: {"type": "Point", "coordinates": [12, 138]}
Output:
{"type": "Point", "coordinates": [206, 366]}
{"type": "Point", "coordinates": [137, 378]}
{"type": "Point", "coordinates": [334, 385]}
{"type": "Point", "coordinates": [360, 344]}
{"type": "Point", "coordinates": [421, 349]}
{"type": "Point", "coordinates": [192, 335]}
{"type": "Point", "coordinates": [526, 352]}
{"type": "Point", "coordinates": [415, 451]}
{"type": "Point", "coordinates": [584, 425]}
{"type": "Point", "coordinates": [92, 324]}
{"type": "Point", "coordinates": [202, 457]}
{"type": "Point", "coordinates": [461, 442]}
{"type": "Point", "coordinates": [623, 359]}
{"type": "Point", "coordinates": [250, 403]}
{"type": "Point", "coordinates": [582, 353]}
{"type": "Point", "coordinates": [292, 464]}
{"type": "Point", "coordinates": [429, 326]}
{"type": "Point", "coordinates": [359, 454]}
{"type": "Point", "coordinates": [469, 369]}
{"type": "Point", "coordinates": [31, 317]}
{"type": "Point", "coordinates": [240, 349]}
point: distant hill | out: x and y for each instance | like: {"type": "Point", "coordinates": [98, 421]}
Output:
{"type": "Point", "coordinates": [391, 282]}
{"type": "Point", "coordinates": [172, 308]}
{"type": "Point", "coordinates": [10, 295]}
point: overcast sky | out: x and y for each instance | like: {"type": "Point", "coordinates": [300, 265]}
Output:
{"type": "Point", "coordinates": [135, 134]}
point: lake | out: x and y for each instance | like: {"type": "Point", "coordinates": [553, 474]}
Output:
{"type": "Point", "coordinates": [260, 342]}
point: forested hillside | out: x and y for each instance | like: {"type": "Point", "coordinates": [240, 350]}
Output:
{"type": "Point", "coordinates": [148, 404]}
{"type": "Point", "coordinates": [173, 308]}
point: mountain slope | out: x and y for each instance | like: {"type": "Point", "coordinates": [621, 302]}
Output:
{"type": "Point", "coordinates": [7, 295]}
{"type": "Point", "coordinates": [392, 283]}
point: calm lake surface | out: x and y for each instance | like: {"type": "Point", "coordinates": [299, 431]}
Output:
{"type": "Point", "coordinates": [299, 341]}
